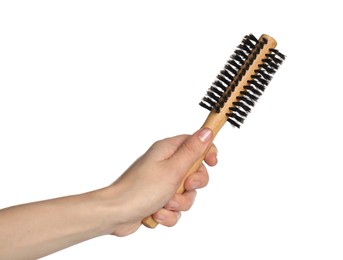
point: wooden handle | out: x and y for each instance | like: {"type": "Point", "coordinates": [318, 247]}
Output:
{"type": "Point", "coordinates": [215, 121]}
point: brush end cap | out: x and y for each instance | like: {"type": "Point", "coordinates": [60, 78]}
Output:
{"type": "Point", "coordinates": [270, 39]}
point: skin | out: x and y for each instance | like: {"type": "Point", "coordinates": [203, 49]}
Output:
{"type": "Point", "coordinates": [147, 187]}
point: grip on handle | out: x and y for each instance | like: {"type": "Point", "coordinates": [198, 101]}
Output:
{"type": "Point", "coordinates": [214, 121]}
{"type": "Point", "coordinates": [149, 221]}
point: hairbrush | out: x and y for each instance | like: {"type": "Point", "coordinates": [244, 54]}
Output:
{"type": "Point", "coordinates": [237, 88]}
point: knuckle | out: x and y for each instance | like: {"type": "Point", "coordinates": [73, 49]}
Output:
{"type": "Point", "coordinates": [188, 148]}
{"type": "Point", "coordinates": [173, 219]}
{"type": "Point", "coordinates": [189, 201]}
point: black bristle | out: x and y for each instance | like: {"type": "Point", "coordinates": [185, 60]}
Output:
{"type": "Point", "coordinates": [264, 40]}
{"type": "Point", "coordinates": [263, 74]}
{"type": "Point", "coordinates": [276, 52]}
{"type": "Point", "coordinates": [260, 79]}
{"type": "Point", "coordinates": [217, 91]}
{"type": "Point", "coordinates": [227, 74]}
{"type": "Point", "coordinates": [266, 68]}
{"type": "Point", "coordinates": [238, 58]}
{"type": "Point", "coordinates": [238, 111]}
{"type": "Point", "coordinates": [247, 41]}
{"type": "Point", "coordinates": [234, 71]}
{"type": "Point", "coordinates": [223, 79]}
{"type": "Point", "coordinates": [237, 118]}
{"type": "Point", "coordinates": [253, 90]}
{"type": "Point", "coordinates": [271, 63]}
{"type": "Point", "coordinates": [219, 85]}
{"type": "Point", "coordinates": [241, 53]}
{"type": "Point", "coordinates": [210, 101]}
{"type": "Point", "coordinates": [222, 88]}
{"type": "Point", "coordinates": [233, 122]}
{"type": "Point", "coordinates": [257, 85]}
{"type": "Point", "coordinates": [213, 95]}
{"type": "Point", "coordinates": [253, 38]}
{"type": "Point", "coordinates": [206, 103]}
{"type": "Point", "coordinates": [229, 68]}
{"type": "Point", "coordinates": [246, 100]}
{"type": "Point", "coordinates": [244, 48]}
{"type": "Point", "coordinates": [274, 58]}
{"type": "Point", "coordinates": [234, 64]}
{"type": "Point", "coordinates": [249, 95]}
{"type": "Point", "coordinates": [243, 106]}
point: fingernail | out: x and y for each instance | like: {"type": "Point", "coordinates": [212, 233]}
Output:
{"type": "Point", "coordinates": [205, 135]}
{"type": "Point", "coordinates": [216, 150]}
{"type": "Point", "coordinates": [178, 215]}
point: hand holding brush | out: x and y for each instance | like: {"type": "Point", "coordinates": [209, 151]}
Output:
{"type": "Point", "coordinates": [236, 89]}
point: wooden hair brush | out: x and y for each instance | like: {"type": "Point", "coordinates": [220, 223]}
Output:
{"type": "Point", "coordinates": [236, 89]}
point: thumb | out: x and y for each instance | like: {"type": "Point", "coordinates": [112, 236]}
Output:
{"type": "Point", "coordinates": [193, 149]}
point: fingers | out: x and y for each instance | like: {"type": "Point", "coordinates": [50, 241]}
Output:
{"type": "Point", "coordinates": [180, 154]}
{"type": "Point", "coordinates": [166, 217]}
{"type": "Point", "coordinates": [200, 178]}
{"type": "Point", "coordinates": [191, 150]}
{"type": "Point", "coordinates": [211, 157]}
{"type": "Point", "coordinates": [197, 180]}
{"type": "Point", "coordinates": [181, 202]}
{"type": "Point", "coordinates": [166, 148]}
{"type": "Point", "coordinates": [171, 213]}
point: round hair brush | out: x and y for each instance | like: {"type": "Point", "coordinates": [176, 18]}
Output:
{"type": "Point", "coordinates": [236, 89]}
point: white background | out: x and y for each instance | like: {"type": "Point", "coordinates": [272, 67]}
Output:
{"type": "Point", "coordinates": [87, 86]}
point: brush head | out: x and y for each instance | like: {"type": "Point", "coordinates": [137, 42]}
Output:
{"type": "Point", "coordinates": [243, 78]}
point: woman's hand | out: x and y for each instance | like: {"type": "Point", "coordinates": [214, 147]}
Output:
{"type": "Point", "coordinates": [149, 185]}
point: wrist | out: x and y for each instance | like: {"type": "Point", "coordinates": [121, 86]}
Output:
{"type": "Point", "coordinates": [108, 207]}
{"type": "Point", "coordinates": [119, 215]}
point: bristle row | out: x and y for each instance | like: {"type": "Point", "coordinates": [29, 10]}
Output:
{"type": "Point", "coordinates": [249, 96]}
{"type": "Point", "coordinates": [244, 68]}
{"type": "Point", "coordinates": [220, 91]}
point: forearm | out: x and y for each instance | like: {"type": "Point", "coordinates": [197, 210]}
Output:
{"type": "Point", "coordinates": [33, 230]}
